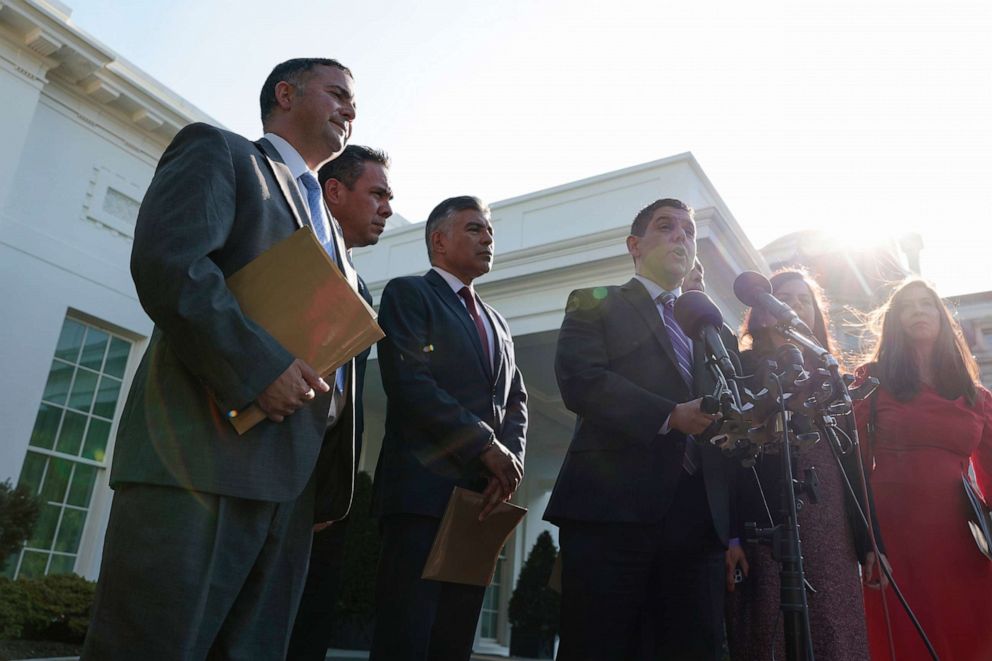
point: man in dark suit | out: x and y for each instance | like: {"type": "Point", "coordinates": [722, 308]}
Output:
{"type": "Point", "coordinates": [356, 189]}
{"type": "Point", "coordinates": [642, 510]}
{"type": "Point", "coordinates": [455, 416]}
{"type": "Point", "coordinates": [206, 550]}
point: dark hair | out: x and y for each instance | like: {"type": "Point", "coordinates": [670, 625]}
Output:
{"type": "Point", "coordinates": [756, 327]}
{"type": "Point", "coordinates": [291, 71]}
{"type": "Point", "coordinates": [448, 208]}
{"type": "Point", "coordinates": [350, 165]}
{"type": "Point", "coordinates": [955, 371]}
{"type": "Point", "coordinates": [643, 217]}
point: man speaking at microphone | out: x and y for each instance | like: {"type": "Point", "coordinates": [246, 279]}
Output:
{"type": "Point", "coordinates": [643, 510]}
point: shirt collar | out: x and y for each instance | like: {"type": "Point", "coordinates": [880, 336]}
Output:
{"type": "Point", "coordinates": [453, 281]}
{"type": "Point", "coordinates": [297, 166]}
{"type": "Point", "coordinates": [654, 289]}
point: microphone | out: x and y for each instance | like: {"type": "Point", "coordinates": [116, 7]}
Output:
{"type": "Point", "coordinates": [754, 290]}
{"type": "Point", "coordinates": [700, 318]}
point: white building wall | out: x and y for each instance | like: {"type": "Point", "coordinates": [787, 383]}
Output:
{"type": "Point", "coordinates": [81, 135]}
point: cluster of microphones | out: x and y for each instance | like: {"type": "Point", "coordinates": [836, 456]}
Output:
{"type": "Point", "coordinates": [755, 409]}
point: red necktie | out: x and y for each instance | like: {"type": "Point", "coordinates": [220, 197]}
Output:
{"type": "Point", "coordinates": [473, 312]}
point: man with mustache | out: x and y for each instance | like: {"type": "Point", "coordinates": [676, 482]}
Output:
{"type": "Point", "coordinates": [206, 549]}
{"type": "Point", "coordinates": [456, 415]}
{"type": "Point", "coordinates": [643, 511]}
{"type": "Point", "coordinates": [356, 189]}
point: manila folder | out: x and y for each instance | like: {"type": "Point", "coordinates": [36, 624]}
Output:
{"type": "Point", "coordinates": [297, 294]}
{"type": "Point", "coordinates": [465, 549]}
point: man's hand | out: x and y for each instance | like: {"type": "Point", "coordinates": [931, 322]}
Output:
{"type": "Point", "coordinates": [733, 558]}
{"type": "Point", "coordinates": [689, 418]}
{"type": "Point", "coordinates": [292, 390]}
{"type": "Point", "coordinates": [872, 574]}
{"type": "Point", "coordinates": [506, 476]}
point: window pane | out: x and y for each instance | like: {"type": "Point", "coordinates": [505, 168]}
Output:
{"type": "Point", "coordinates": [70, 340]}
{"type": "Point", "coordinates": [44, 528]}
{"type": "Point", "coordinates": [82, 390]}
{"type": "Point", "coordinates": [62, 564]}
{"type": "Point", "coordinates": [58, 382]}
{"type": "Point", "coordinates": [82, 485]}
{"type": "Point", "coordinates": [45, 426]}
{"type": "Point", "coordinates": [10, 565]}
{"type": "Point", "coordinates": [117, 357]}
{"type": "Point", "coordinates": [70, 531]}
{"type": "Point", "coordinates": [33, 564]}
{"type": "Point", "coordinates": [96, 439]}
{"type": "Point", "coordinates": [94, 348]}
{"type": "Point", "coordinates": [71, 434]}
{"type": "Point", "coordinates": [56, 480]}
{"type": "Point", "coordinates": [106, 398]}
{"type": "Point", "coordinates": [32, 471]}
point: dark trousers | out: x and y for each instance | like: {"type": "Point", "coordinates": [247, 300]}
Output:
{"type": "Point", "coordinates": [417, 619]}
{"type": "Point", "coordinates": [633, 591]}
{"type": "Point", "coordinates": [191, 575]}
{"type": "Point", "coordinates": [315, 617]}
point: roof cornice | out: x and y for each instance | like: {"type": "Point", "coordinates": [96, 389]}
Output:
{"type": "Point", "coordinates": [50, 50]}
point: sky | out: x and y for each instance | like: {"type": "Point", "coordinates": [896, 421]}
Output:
{"type": "Point", "coordinates": [867, 118]}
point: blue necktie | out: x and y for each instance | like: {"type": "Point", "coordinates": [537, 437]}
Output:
{"type": "Point", "coordinates": [683, 356]}
{"type": "Point", "coordinates": [322, 230]}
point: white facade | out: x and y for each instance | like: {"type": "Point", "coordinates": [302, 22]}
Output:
{"type": "Point", "coordinates": [81, 131]}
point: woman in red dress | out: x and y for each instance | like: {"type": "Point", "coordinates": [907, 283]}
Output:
{"type": "Point", "coordinates": [931, 420]}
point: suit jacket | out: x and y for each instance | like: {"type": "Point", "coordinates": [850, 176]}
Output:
{"type": "Point", "coordinates": [216, 202]}
{"type": "Point", "coordinates": [361, 361]}
{"type": "Point", "coordinates": [616, 371]}
{"type": "Point", "coordinates": [444, 402]}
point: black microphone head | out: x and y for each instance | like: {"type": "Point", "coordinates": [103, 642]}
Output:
{"type": "Point", "coordinates": [789, 355]}
{"type": "Point", "coordinates": [748, 285]}
{"type": "Point", "coordinates": [694, 309]}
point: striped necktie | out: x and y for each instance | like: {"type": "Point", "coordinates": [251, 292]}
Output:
{"type": "Point", "coordinates": [680, 343]}
{"type": "Point", "coordinates": [683, 356]}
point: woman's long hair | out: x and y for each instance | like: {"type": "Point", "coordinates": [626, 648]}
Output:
{"type": "Point", "coordinates": [893, 361]}
{"type": "Point", "coordinates": [756, 328]}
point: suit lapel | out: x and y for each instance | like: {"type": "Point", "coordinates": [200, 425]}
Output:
{"type": "Point", "coordinates": [457, 308]}
{"type": "Point", "coordinates": [638, 297]}
{"type": "Point", "coordinates": [286, 183]}
{"type": "Point", "coordinates": [344, 258]}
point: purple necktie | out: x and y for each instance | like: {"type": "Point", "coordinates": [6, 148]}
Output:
{"type": "Point", "coordinates": [466, 295]}
{"type": "Point", "coordinates": [680, 343]}
{"type": "Point", "coordinates": [683, 355]}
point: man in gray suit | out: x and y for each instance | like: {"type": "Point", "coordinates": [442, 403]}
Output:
{"type": "Point", "coordinates": [206, 550]}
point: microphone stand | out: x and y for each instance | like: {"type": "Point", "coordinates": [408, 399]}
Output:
{"type": "Point", "coordinates": [787, 549]}
{"type": "Point", "coordinates": [838, 400]}
{"type": "Point", "coordinates": [785, 538]}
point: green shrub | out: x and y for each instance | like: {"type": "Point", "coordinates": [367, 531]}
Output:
{"type": "Point", "coordinates": [54, 608]}
{"type": "Point", "coordinates": [534, 606]}
{"type": "Point", "coordinates": [18, 514]}
{"type": "Point", "coordinates": [13, 608]}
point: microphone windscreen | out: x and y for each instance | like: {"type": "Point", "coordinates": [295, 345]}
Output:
{"type": "Point", "coordinates": [788, 355]}
{"type": "Point", "coordinates": [748, 285]}
{"type": "Point", "coordinates": [694, 309]}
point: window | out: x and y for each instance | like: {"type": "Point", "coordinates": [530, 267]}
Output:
{"type": "Point", "coordinates": [489, 618]}
{"type": "Point", "coordinates": [67, 449]}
